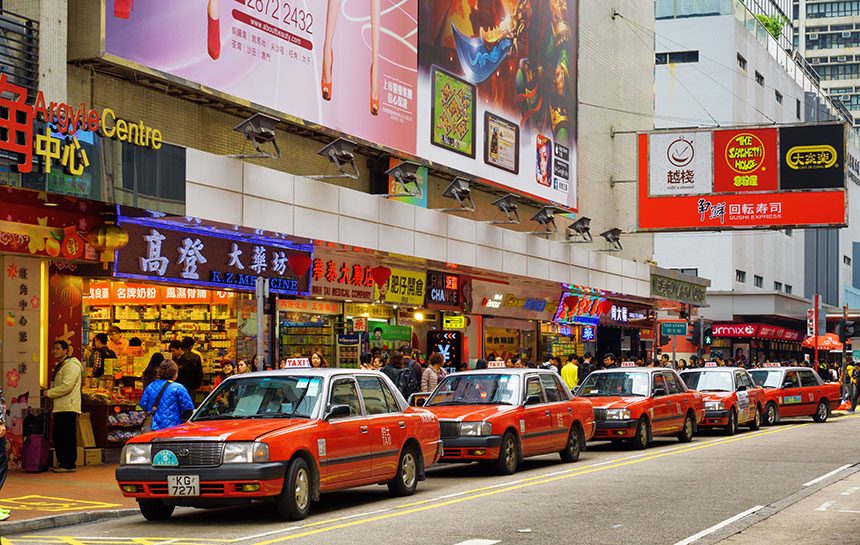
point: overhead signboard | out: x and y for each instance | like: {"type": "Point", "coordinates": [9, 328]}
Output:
{"type": "Point", "coordinates": [453, 322]}
{"type": "Point", "coordinates": [497, 93]}
{"type": "Point", "coordinates": [680, 164]}
{"type": "Point", "coordinates": [784, 177]}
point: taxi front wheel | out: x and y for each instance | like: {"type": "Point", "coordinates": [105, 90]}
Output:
{"type": "Point", "coordinates": [643, 435]}
{"type": "Point", "coordinates": [153, 510]}
{"type": "Point", "coordinates": [755, 423]}
{"type": "Point", "coordinates": [405, 481]}
{"type": "Point", "coordinates": [771, 414]}
{"type": "Point", "coordinates": [294, 503]}
{"type": "Point", "coordinates": [509, 456]}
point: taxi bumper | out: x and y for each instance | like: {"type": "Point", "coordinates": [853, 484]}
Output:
{"type": "Point", "coordinates": [715, 418]}
{"type": "Point", "coordinates": [614, 429]}
{"type": "Point", "coordinates": [234, 481]}
{"type": "Point", "coordinates": [471, 448]}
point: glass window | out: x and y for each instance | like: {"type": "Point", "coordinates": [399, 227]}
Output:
{"type": "Point", "coordinates": [765, 378]}
{"type": "Point", "coordinates": [664, 9]}
{"type": "Point", "coordinates": [550, 386]}
{"type": "Point", "coordinates": [373, 396]}
{"type": "Point", "coordinates": [791, 380]}
{"type": "Point", "coordinates": [390, 400]}
{"type": "Point", "coordinates": [659, 382]}
{"type": "Point", "coordinates": [672, 383]}
{"type": "Point", "coordinates": [807, 379]}
{"type": "Point", "coordinates": [708, 381]}
{"type": "Point", "coordinates": [758, 281]}
{"type": "Point", "coordinates": [262, 397]}
{"type": "Point", "coordinates": [477, 389]}
{"type": "Point", "coordinates": [618, 383]}
{"type": "Point", "coordinates": [344, 392]}
{"type": "Point", "coordinates": [740, 276]}
{"type": "Point", "coordinates": [533, 389]}
{"type": "Point", "coordinates": [788, 288]}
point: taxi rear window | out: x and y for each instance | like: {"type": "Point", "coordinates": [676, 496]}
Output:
{"type": "Point", "coordinates": [622, 383]}
{"type": "Point", "coordinates": [262, 397]}
{"type": "Point", "coordinates": [480, 389]}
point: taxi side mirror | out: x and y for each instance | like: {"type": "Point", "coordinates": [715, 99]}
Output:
{"type": "Point", "coordinates": [575, 391]}
{"type": "Point", "coordinates": [658, 391]}
{"type": "Point", "coordinates": [532, 400]}
{"type": "Point", "coordinates": [742, 388]}
{"type": "Point", "coordinates": [337, 411]}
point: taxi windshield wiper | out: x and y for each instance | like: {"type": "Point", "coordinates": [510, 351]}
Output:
{"type": "Point", "coordinates": [498, 403]}
{"type": "Point", "coordinates": [280, 415]}
{"type": "Point", "coordinates": [446, 403]}
{"type": "Point", "coordinates": [221, 417]}
{"type": "Point", "coordinates": [713, 390]}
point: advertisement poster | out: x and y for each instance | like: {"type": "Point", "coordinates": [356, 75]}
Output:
{"type": "Point", "coordinates": [389, 337]}
{"type": "Point", "coordinates": [514, 60]}
{"type": "Point", "coordinates": [746, 160]}
{"type": "Point", "coordinates": [334, 63]}
{"type": "Point", "coordinates": [812, 157]}
{"type": "Point", "coordinates": [404, 287]}
{"type": "Point", "coordinates": [680, 163]}
{"type": "Point", "coordinates": [447, 343]}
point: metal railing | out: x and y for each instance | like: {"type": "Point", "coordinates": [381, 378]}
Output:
{"type": "Point", "coordinates": [19, 51]}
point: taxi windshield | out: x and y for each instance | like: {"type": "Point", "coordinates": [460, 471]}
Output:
{"type": "Point", "coordinates": [621, 383]}
{"type": "Point", "coordinates": [709, 381]}
{"type": "Point", "coordinates": [478, 389]}
{"type": "Point", "coordinates": [766, 379]}
{"type": "Point", "coordinates": [262, 397]}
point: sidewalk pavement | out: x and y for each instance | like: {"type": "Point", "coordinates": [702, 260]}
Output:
{"type": "Point", "coordinates": [48, 500]}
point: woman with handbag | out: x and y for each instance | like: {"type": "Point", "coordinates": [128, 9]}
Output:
{"type": "Point", "coordinates": [165, 401]}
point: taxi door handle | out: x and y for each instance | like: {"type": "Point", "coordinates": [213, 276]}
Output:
{"type": "Point", "coordinates": [546, 413]}
{"type": "Point", "coordinates": [569, 410]}
{"type": "Point", "coordinates": [363, 429]}
{"type": "Point", "coordinates": [402, 424]}
{"type": "Point", "coordinates": [669, 403]}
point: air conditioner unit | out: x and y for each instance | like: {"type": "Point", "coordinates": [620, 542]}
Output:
{"type": "Point", "coordinates": [841, 58]}
{"type": "Point", "coordinates": [812, 37]}
{"type": "Point", "coordinates": [815, 60]}
{"type": "Point", "coordinates": [845, 98]}
{"type": "Point", "coordinates": [846, 34]}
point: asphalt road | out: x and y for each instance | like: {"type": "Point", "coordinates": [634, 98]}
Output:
{"type": "Point", "coordinates": [664, 495]}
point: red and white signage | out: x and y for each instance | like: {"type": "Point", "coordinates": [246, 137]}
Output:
{"type": "Point", "coordinates": [628, 364]}
{"type": "Point", "coordinates": [297, 362]}
{"type": "Point", "coordinates": [496, 364]}
{"type": "Point", "coordinates": [760, 331]}
{"type": "Point", "coordinates": [710, 364]}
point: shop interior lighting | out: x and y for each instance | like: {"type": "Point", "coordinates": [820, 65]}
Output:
{"type": "Point", "coordinates": [259, 129]}
{"type": "Point", "coordinates": [341, 153]}
{"type": "Point", "coordinates": [546, 218]}
{"type": "Point", "coordinates": [613, 237]}
{"type": "Point", "coordinates": [406, 175]}
{"type": "Point", "coordinates": [419, 316]}
{"type": "Point", "coordinates": [580, 230]}
{"type": "Point", "coordinates": [508, 206]}
{"type": "Point", "coordinates": [460, 191]}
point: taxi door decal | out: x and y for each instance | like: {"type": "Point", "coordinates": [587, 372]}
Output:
{"type": "Point", "coordinates": [321, 447]}
{"type": "Point", "coordinates": [386, 436]}
{"type": "Point", "coordinates": [560, 419]}
{"type": "Point", "coordinates": [743, 404]}
{"type": "Point", "coordinates": [522, 426]}
{"type": "Point", "coordinates": [811, 397]}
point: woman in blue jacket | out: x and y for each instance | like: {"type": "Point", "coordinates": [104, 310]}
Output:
{"type": "Point", "coordinates": [174, 400]}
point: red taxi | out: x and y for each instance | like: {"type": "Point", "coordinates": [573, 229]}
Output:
{"type": "Point", "coordinates": [638, 403]}
{"type": "Point", "coordinates": [796, 391]}
{"type": "Point", "coordinates": [501, 415]}
{"type": "Point", "coordinates": [283, 436]}
{"type": "Point", "coordinates": [731, 397]}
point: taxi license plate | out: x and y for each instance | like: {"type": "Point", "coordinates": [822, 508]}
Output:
{"type": "Point", "coordinates": [183, 485]}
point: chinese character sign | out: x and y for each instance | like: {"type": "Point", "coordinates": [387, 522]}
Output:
{"type": "Point", "coordinates": [403, 287]}
{"type": "Point", "coordinates": [680, 163]}
{"type": "Point", "coordinates": [21, 308]}
{"type": "Point", "coordinates": [338, 276]}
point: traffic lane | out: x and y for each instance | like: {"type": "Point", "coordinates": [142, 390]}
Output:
{"type": "Point", "coordinates": [603, 477]}
{"type": "Point", "coordinates": [659, 498]}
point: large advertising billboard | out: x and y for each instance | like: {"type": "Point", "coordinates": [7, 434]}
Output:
{"type": "Point", "coordinates": [497, 92]}
{"type": "Point", "coordinates": [346, 65]}
{"type": "Point", "coordinates": [760, 177]}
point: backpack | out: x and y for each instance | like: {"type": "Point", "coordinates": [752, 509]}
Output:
{"type": "Point", "coordinates": [406, 382]}
{"type": "Point", "coordinates": [855, 373]}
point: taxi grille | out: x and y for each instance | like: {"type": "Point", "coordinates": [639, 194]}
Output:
{"type": "Point", "coordinates": [196, 453]}
{"type": "Point", "coordinates": [449, 429]}
{"type": "Point", "coordinates": [600, 414]}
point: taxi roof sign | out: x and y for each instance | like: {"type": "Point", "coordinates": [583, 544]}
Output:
{"type": "Point", "coordinates": [710, 364]}
{"type": "Point", "coordinates": [771, 364]}
{"type": "Point", "coordinates": [298, 362]}
{"type": "Point", "coordinates": [495, 364]}
{"type": "Point", "coordinates": [628, 364]}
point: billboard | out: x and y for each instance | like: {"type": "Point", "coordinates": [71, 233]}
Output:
{"type": "Point", "coordinates": [335, 64]}
{"type": "Point", "coordinates": [497, 93]}
{"type": "Point", "coordinates": [771, 177]}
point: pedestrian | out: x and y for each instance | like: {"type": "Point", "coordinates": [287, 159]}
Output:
{"type": "Point", "coordinates": [243, 367]}
{"type": "Point", "coordinates": [682, 364]}
{"type": "Point", "coordinates": [190, 366]}
{"type": "Point", "coordinates": [167, 401]}
{"type": "Point", "coordinates": [393, 366]}
{"type": "Point", "coordinates": [434, 374]}
{"type": "Point", "coordinates": [66, 396]}
{"type": "Point", "coordinates": [365, 361]}
{"type": "Point", "coordinates": [609, 361]}
{"type": "Point", "coordinates": [227, 370]}
{"type": "Point", "coordinates": [585, 367]}
{"type": "Point", "coordinates": [4, 460]}
{"type": "Point", "coordinates": [99, 354]}
{"type": "Point", "coordinates": [855, 391]}
{"type": "Point", "coordinates": [664, 360]}
{"type": "Point", "coordinates": [480, 363]}
{"type": "Point", "coordinates": [318, 360]}
{"type": "Point", "coordinates": [570, 373]}
{"type": "Point", "coordinates": [411, 363]}
{"type": "Point", "coordinates": [151, 371]}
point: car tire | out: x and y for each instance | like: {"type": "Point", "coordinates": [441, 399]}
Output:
{"type": "Point", "coordinates": [732, 427]}
{"type": "Point", "coordinates": [294, 503]}
{"type": "Point", "coordinates": [686, 434]}
{"type": "Point", "coordinates": [154, 510]}
{"type": "Point", "coordinates": [573, 448]}
{"type": "Point", "coordinates": [755, 423]}
{"type": "Point", "coordinates": [821, 412]}
{"type": "Point", "coordinates": [405, 481]}
{"type": "Point", "coordinates": [509, 455]}
{"type": "Point", "coordinates": [643, 434]}
{"type": "Point", "coordinates": [771, 414]}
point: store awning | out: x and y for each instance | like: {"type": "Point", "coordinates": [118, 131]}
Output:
{"type": "Point", "coordinates": [828, 341]}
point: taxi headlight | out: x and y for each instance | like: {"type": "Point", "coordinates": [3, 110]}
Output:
{"type": "Point", "coordinates": [245, 453]}
{"type": "Point", "coordinates": [617, 414]}
{"type": "Point", "coordinates": [136, 454]}
{"type": "Point", "coordinates": [476, 428]}
{"type": "Point", "coordinates": [715, 406]}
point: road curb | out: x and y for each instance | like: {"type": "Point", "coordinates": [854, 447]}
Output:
{"type": "Point", "coordinates": [59, 521]}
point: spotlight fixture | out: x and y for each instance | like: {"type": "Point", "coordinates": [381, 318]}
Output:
{"type": "Point", "coordinates": [508, 206]}
{"type": "Point", "coordinates": [613, 237]}
{"type": "Point", "coordinates": [581, 228]}
{"type": "Point", "coordinates": [259, 129]}
{"type": "Point", "coordinates": [406, 177]}
{"type": "Point", "coordinates": [546, 218]}
{"type": "Point", "coordinates": [460, 191]}
{"type": "Point", "coordinates": [341, 153]}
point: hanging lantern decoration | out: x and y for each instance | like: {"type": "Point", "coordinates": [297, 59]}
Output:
{"type": "Point", "coordinates": [73, 244]}
{"type": "Point", "coordinates": [300, 263]}
{"type": "Point", "coordinates": [107, 238]}
{"type": "Point", "coordinates": [380, 275]}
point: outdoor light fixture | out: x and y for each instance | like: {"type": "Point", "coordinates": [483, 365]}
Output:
{"type": "Point", "coordinates": [406, 176]}
{"type": "Point", "coordinates": [613, 237]}
{"type": "Point", "coordinates": [546, 218]}
{"type": "Point", "coordinates": [508, 206]}
{"type": "Point", "coordinates": [581, 228]}
{"type": "Point", "coordinates": [341, 153]}
{"type": "Point", "coordinates": [460, 191]}
{"type": "Point", "coordinates": [259, 129]}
